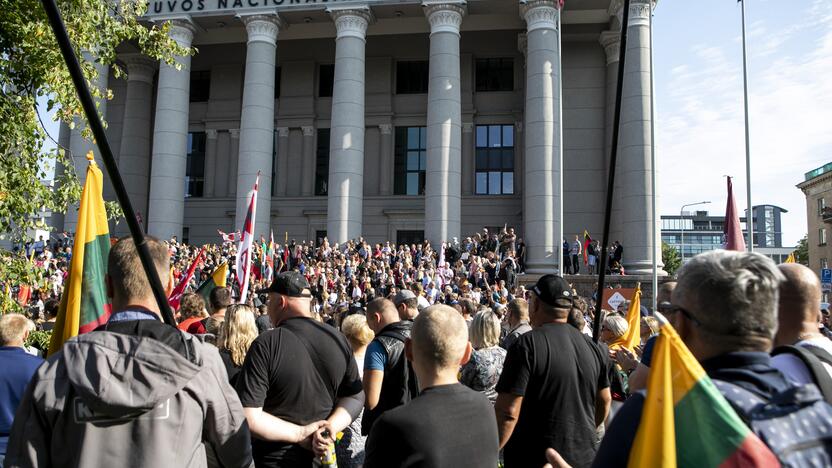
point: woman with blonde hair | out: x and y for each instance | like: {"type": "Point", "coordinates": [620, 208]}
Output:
{"type": "Point", "coordinates": [235, 337]}
{"type": "Point", "coordinates": [483, 370]}
{"type": "Point", "coordinates": [350, 450]}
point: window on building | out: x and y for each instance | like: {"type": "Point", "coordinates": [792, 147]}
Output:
{"type": "Point", "coordinates": [494, 74]}
{"type": "Point", "coordinates": [186, 235]}
{"type": "Point", "coordinates": [409, 237]}
{"type": "Point", "coordinates": [495, 160]}
{"type": "Point", "coordinates": [412, 77]}
{"type": "Point", "coordinates": [821, 206]}
{"type": "Point", "coordinates": [824, 263]}
{"type": "Point", "coordinates": [200, 86]}
{"type": "Point", "coordinates": [822, 236]}
{"type": "Point", "coordinates": [322, 162]}
{"type": "Point", "coordinates": [274, 161]}
{"type": "Point", "coordinates": [195, 165]}
{"type": "Point", "coordinates": [326, 79]}
{"type": "Point", "coordinates": [410, 160]}
{"type": "Point", "coordinates": [770, 228]}
{"type": "Point", "coordinates": [319, 237]}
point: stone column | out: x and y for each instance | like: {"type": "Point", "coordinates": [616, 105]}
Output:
{"type": "Point", "coordinates": [166, 204]}
{"type": "Point", "coordinates": [233, 159]}
{"type": "Point", "coordinates": [282, 161]}
{"type": "Point", "coordinates": [635, 149]}
{"type": "Point", "coordinates": [346, 147]}
{"type": "Point", "coordinates": [134, 153]}
{"type": "Point", "coordinates": [210, 162]}
{"type": "Point", "coordinates": [64, 135]}
{"type": "Point", "coordinates": [444, 123]}
{"type": "Point", "coordinates": [468, 158]}
{"type": "Point", "coordinates": [611, 41]}
{"type": "Point", "coordinates": [542, 135]}
{"type": "Point", "coordinates": [308, 164]}
{"type": "Point", "coordinates": [80, 146]}
{"type": "Point", "coordinates": [257, 119]}
{"type": "Point", "coordinates": [385, 166]}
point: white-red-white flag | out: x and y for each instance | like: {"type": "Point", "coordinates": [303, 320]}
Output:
{"type": "Point", "coordinates": [246, 238]}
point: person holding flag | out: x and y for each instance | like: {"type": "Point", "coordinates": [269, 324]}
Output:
{"type": "Point", "coordinates": [724, 317]}
{"type": "Point", "coordinates": [244, 250]}
{"type": "Point", "coordinates": [268, 268]}
{"type": "Point", "coordinates": [176, 296]}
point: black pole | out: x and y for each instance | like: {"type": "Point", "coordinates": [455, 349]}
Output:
{"type": "Point", "coordinates": [619, 86]}
{"type": "Point", "coordinates": [107, 156]}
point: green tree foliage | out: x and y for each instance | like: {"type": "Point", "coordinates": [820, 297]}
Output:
{"type": "Point", "coordinates": [801, 253]}
{"type": "Point", "coordinates": [31, 67]}
{"type": "Point", "coordinates": [671, 259]}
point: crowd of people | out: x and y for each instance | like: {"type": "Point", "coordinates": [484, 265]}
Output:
{"type": "Point", "coordinates": [384, 355]}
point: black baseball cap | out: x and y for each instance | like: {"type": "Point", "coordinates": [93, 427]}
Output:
{"type": "Point", "coordinates": [554, 291]}
{"type": "Point", "coordinates": [288, 283]}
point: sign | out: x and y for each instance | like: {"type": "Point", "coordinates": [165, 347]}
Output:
{"type": "Point", "coordinates": [826, 279]}
{"type": "Point", "coordinates": [207, 7]}
{"type": "Point", "coordinates": [612, 298]}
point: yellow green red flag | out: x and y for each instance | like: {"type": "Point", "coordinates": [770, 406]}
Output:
{"type": "Point", "coordinates": [633, 336]}
{"type": "Point", "coordinates": [686, 422]}
{"type": "Point", "coordinates": [217, 279]}
{"type": "Point", "coordinates": [84, 304]}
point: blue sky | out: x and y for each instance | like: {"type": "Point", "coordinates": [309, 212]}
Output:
{"type": "Point", "coordinates": [698, 80]}
{"type": "Point", "coordinates": [699, 108]}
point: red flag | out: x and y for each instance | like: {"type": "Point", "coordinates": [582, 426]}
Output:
{"type": "Point", "coordinates": [179, 290]}
{"type": "Point", "coordinates": [731, 231]}
{"type": "Point", "coordinates": [246, 238]}
{"type": "Point", "coordinates": [587, 241]}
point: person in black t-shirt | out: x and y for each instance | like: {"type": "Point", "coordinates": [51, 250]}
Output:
{"type": "Point", "coordinates": [448, 424]}
{"type": "Point", "coordinates": [554, 389]}
{"type": "Point", "coordinates": [299, 385]}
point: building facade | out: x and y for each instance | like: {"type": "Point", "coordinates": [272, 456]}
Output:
{"type": "Point", "coordinates": [389, 119]}
{"type": "Point", "coordinates": [817, 186]}
{"type": "Point", "coordinates": [693, 233]}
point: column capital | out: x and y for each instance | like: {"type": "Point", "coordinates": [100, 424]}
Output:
{"type": "Point", "coordinates": [182, 30]}
{"type": "Point", "coordinates": [351, 21]}
{"type": "Point", "coordinates": [444, 15]}
{"type": "Point", "coordinates": [385, 129]}
{"type": "Point", "coordinates": [234, 132]}
{"type": "Point", "coordinates": [211, 133]}
{"type": "Point", "coordinates": [540, 14]}
{"type": "Point", "coordinates": [308, 130]}
{"type": "Point", "coordinates": [611, 41]}
{"type": "Point", "coordinates": [262, 28]}
{"type": "Point", "coordinates": [639, 11]}
{"type": "Point", "coordinates": [467, 127]}
{"type": "Point", "coordinates": [282, 132]}
{"type": "Point", "coordinates": [139, 67]}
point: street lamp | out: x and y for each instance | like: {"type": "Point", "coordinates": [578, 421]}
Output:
{"type": "Point", "coordinates": [682, 215]}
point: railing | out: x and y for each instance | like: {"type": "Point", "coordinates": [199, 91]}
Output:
{"type": "Point", "coordinates": [826, 214]}
{"type": "Point", "coordinates": [821, 170]}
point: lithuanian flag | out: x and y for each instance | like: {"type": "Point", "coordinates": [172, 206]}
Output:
{"type": "Point", "coordinates": [632, 338]}
{"type": "Point", "coordinates": [84, 304]}
{"type": "Point", "coordinates": [708, 433]}
{"type": "Point", "coordinates": [217, 279]}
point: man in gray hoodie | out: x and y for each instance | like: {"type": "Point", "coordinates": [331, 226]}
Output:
{"type": "Point", "coordinates": [134, 393]}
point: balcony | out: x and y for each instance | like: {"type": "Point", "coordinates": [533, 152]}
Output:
{"type": "Point", "coordinates": [826, 214]}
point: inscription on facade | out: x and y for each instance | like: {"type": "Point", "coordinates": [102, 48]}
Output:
{"type": "Point", "coordinates": [173, 7]}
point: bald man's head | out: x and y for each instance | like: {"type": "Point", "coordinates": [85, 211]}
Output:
{"type": "Point", "coordinates": [799, 305]}
{"type": "Point", "coordinates": [439, 337]}
{"type": "Point", "coordinates": [380, 313]}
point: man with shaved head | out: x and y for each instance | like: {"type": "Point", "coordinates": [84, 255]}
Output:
{"type": "Point", "coordinates": [448, 424]}
{"type": "Point", "coordinates": [802, 353]}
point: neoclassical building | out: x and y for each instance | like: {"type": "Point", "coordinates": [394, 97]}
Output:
{"type": "Point", "coordinates": [392, 119]}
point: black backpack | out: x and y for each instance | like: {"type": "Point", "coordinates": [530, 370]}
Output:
{"type": "Point", "coordinates": [813, 358]}
{"type": "Point", "coordinates": [796, 424]}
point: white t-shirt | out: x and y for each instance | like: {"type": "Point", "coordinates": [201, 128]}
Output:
{"type": "Point", "coordinates": [794, 369]}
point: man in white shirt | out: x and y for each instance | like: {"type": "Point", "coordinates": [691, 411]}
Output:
{"type": "Point", "coordinates": [799, 324]}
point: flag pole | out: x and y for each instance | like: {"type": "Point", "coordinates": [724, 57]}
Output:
{"type": "Point", "coordinates": [749, 215]}
{"type": "Point", "coordinates": [602, 267]}
{"type": "Point", "coordinates": [97, 128]}
{"type": "Point", "coordinates": [657, 249]}
{"type": "Point", "coordinates": [560, 141]}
